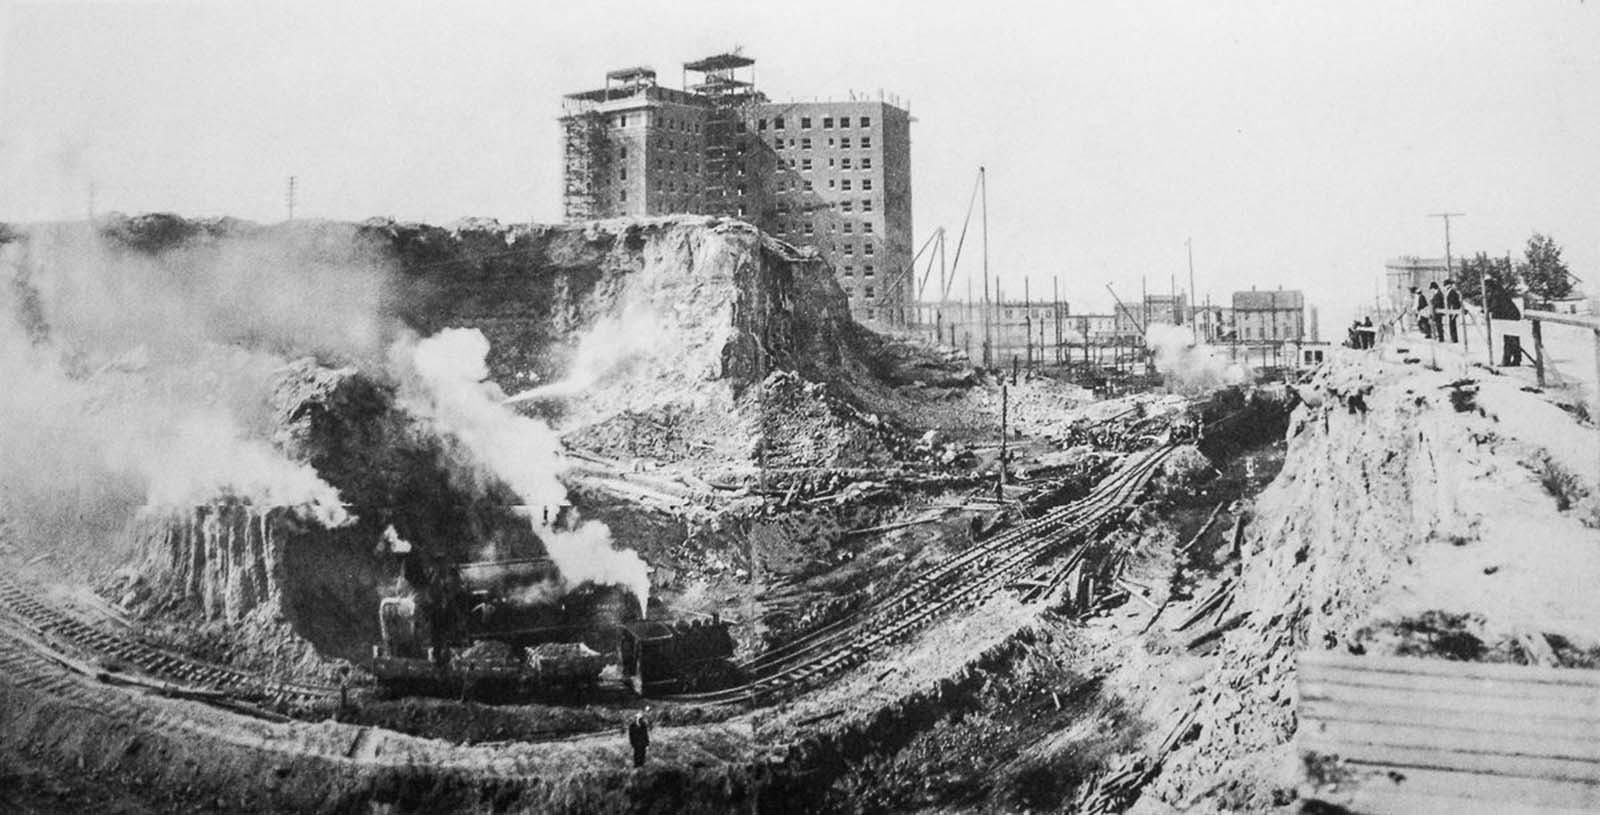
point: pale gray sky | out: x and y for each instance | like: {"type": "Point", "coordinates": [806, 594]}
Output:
{"type": "Point", "coordinates": [1298, 143]}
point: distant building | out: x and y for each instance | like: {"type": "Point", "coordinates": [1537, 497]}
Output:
{"type": "Point", "coordinates": [1158, 309]}
{"type": "Point", "coordinates": [834, 176]}
{"type": "Point", "coordinates": [1213, 323]}
{"type": "Point", "coordinates": [1025, 330]}
{"type": "Point", "coordinates": [1402, 273]}
{"type": "Point", "coordinates": [1274, 316]}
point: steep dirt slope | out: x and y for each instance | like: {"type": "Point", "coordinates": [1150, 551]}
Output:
{"type": "Point", "coordinates": [1415, 514]}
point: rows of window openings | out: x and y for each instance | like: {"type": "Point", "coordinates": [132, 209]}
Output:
{"type": "Point", "coordinates": [827, 123]}
{"type": "Point", "coordinates": [847, 227]}
{"type": "Point", "coordinates": [805, 164]}
{"type": "Point", "coordinates": [663, 122]}
{"type": "Point", "coordinates": [843, 143]}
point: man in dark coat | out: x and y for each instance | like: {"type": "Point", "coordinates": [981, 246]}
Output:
{"type": "Point", "coordinates": [1452, 306]}
{"type": "Point", "coordinates": [1503, 309]}
{"type": "Point", "coordinates": [1436, 310]}
{"type": "Point", "coordinates": [639, 737]}
{"type": "Point", "coordinates": [1421, 304]}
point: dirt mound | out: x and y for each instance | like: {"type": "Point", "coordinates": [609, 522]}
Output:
{"type": "Point", "coordinates": [1399, 524]}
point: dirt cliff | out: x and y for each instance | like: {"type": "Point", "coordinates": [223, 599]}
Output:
{"type": "Point", "coordinates": [677, 339]}
{"type": "Point", "coordinates": [1417, 513]}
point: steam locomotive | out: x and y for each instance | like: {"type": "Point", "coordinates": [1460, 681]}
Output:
{"type": "Point", "coordinates": [500, 629]}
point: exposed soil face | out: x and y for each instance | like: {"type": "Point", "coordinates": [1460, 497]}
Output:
{"type": "Point", "coordinates": [678, 340]}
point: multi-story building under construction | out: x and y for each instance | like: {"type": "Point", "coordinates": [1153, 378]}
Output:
{"type": "Point", "coordinates": [835, 175]}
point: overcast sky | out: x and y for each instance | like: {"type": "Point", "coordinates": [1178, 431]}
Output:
{"type": "Point", "coordinates": [1299, 144]}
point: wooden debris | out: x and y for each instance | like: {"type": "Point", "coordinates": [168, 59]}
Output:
{"type": "Point", "coordinates": [1218, 630]}
{"type": "Point", "coordinates": [1205, 527]}
{"type": "Point", "coordinates": [926, 519]}
{"type": "Point", "coordinates": [1137, 595]}
{"type": "Point", "coordinates": [1207, 605]}
{"type": "Point", "coordinates": [820, 717]}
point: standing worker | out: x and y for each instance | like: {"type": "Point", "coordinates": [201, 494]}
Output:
{"type": "Point", "coordinates": [1436, 310]}
{"type": "Point", "coordinates": [1452, 305]}
{"type": "Point", "coordinates": [1420, 302]}
{"type": "Point", "coordinates": [639, 737]}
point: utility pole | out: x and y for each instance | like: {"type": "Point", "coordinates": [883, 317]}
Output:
{"type": "Point", "coordinates": [289, 197]}
{"type": "Point", "coordinates": [983, 185]}
{"type": "Point", "coordinates": [944, 296]}
{"type": "Point", "coordinates": [1194, 328]}
{"type": "Point", "coordinates": [1144, 300]}
{"type": "Point", "coordinates": [1027, 318]}
{"type": "Point", "coordinates": [1449, 270]}
{"type": "Point", "coordinates": [1055, 310]}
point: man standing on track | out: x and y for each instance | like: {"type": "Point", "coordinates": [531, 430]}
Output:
{"type": "Point", "coordinates": [639, 737]}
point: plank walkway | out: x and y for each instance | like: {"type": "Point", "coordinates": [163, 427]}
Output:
{"type": "Point", "coordinates": [1433, 736]}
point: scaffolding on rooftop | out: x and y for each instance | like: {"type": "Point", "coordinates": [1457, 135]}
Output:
{"type": "Point", "coordinates": [727, 82]}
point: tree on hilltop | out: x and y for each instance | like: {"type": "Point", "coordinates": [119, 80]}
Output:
{"type": "Point", "coordinates": [1502, 276]}
{"type": "Point", "coordinates": [1543, 270]}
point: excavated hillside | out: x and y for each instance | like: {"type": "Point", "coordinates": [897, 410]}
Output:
{"type": "Point", "coordinates": [676, 339]}
{"type": "Point", "coordinates": [652, 337]}
{"type": "Point", "coordinates": [1417, 513]}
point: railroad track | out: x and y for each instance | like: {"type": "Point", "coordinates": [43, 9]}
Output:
{"type": "Point", "coordinates": [54, 624]}
{"type": "Point", "coordinates": [963, 581]}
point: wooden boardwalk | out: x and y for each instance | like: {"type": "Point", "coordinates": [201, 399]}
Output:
{"type": "Point", "coordinates": [1403, 735]}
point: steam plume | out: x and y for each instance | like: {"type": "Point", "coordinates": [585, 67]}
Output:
{"type": "Point", "coordinates": [138, 380]}
{"type": "Point", "coordinates": [1190, 366]}
{"type": "Point", "coordinates": [447, 385]}
{"type": "Point", "coordinates": [609, 348]}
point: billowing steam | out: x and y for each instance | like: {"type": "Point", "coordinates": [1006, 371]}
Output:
{"type": "Point", "coordinates": [445, 381]}
{"type": "Point", "coordinates": [611, 346]}
{"type": "Point", "coordinates": [1189, 366]}
{"type": "Point", "coordinates": [138, 381]}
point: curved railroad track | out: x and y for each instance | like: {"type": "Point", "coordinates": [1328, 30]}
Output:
{"type": "Point", "coordinates": [52, 624]}
{"type": "Point", "coordinates": [963, 581]}
{"type": "Point", "coordinates": [960, 582]}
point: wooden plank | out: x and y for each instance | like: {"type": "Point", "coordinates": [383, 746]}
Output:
{"type": "Point", "coordinates": [1400, 803]}
{"type": "Point", "coordinates": [1525, 719]}
{"type": "Point", "coordinates": [1459, 740]}
{"type": "Point", "coordinates": [1412, 790]}
{"type": "Point", "coordinates": [1314, 662]}
{"type": "Point", "coordinates": [1588, 321]}
{"type": "Point", "coordinates": [1365, 752]}
{"type": "Point", "coordinates": [1574, 694]}
{"type": "Point", "coordinates": [1358, 695]}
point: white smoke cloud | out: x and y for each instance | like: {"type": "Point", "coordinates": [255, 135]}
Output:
{"type": "Point", "coordinates": [124, 389]}
{"type": "Point", "coordinates": [1190, 366]}
{"type": "Point", "coordinates": [444, 380]}
{"type": "Point", "coordinates": [609, 349]}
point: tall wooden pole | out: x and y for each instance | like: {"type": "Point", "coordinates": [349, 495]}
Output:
{"type": "Point", "coordinates": [983, 185]}
{"type": "Point", "coordinates": [1194, 328]}
{"type": "Point", "coordinates": [1055, 309]}
{"type": "Point", "coordinates": [1000, 485]}
{"type": "Point", "coordinates": [1027, 318]}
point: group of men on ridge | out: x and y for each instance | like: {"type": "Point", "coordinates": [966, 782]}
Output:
{"type": "Point", "coordinates": [1435, 307]}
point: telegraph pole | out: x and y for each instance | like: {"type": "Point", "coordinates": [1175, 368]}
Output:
{"type": "Point", "coordinates": [289, 197]}
{"type": "Point", "coordinates": [983, 185]}
{"type": "Point", "coordinates": [1448, 269]}
{"type": "Point", "coordinates": [1194, 327]}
